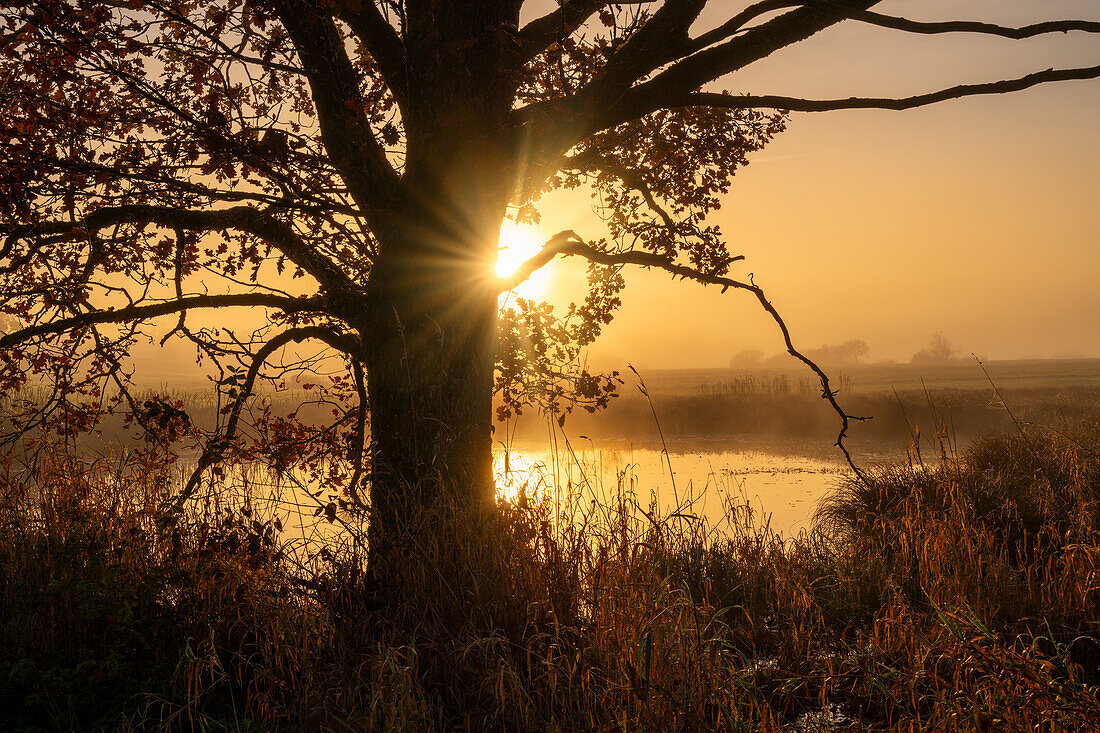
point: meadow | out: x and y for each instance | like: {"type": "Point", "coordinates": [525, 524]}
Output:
{"type": "Point", "coordinates": [783, 409]}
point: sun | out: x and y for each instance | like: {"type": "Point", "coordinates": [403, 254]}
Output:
{"type": "Point", "coordinates": [518, 243]}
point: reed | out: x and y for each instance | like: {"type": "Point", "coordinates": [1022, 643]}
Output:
{"type": "Point", "coordinates": [954, 596]}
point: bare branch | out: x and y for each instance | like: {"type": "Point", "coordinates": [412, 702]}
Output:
{"type": "Point", "coordinates": [738, 22]}
{"type": "Point", "coordinates": [956, 26]}
{"type": "Point", "coordinates": [735, 53]}
{"type": "Point", "coordinates": [568, 243]}
{"type": "Point", "coordinates": [795, 104]}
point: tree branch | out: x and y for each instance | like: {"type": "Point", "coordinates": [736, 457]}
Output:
{"type": "Point", "coordinates": [660, 40]}
{"type": "Point", "coordinates": [384, 45]}
{"type": "Point", "coordinates": [738, 22]}
{"type": "Point", "coordinates": [153, 310]}
{"type": "Point", "coordinates": [568, 243]}
{"type": "Point", "coordinates": [351, 144]}
{"type": "Point", "coordinates": [633, 179]}
{"type": "Point", "coordinates": [955, 26]}
{"type": "Point", "coordinates": [217, 447]}
{"type": "Point", "coordinates": [796, 104]}
{"type": "Point", "coordinates": [697, 69]}
{"type": "Point", "coordinates": [244, 218]}
{"type": "Point", "coordinates": [540, 33]}
{"type": "Point", "coordinates": [661, 91]}
{"type": "Point", "coordinates": [559, 124]}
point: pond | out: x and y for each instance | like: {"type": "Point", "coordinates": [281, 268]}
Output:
{"type": "Point", "coordinates": [781, 484]}
{"type": "Point", "coordinates": [783, 489]}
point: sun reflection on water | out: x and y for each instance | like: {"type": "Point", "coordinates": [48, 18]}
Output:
{"type": "Point", "coordinates": [519, 472]}
{"type": "Point", "coordinates": [784, 489]}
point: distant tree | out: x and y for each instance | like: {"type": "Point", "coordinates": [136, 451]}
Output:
{"type": "Point", "coordinates": [747, 359]}
{"type": "Point", "coordinates": [346, 166]}
{"type": "Point", "coordinates": [939, 351]}
{"type": "Point", "coordinates": [848, 353]}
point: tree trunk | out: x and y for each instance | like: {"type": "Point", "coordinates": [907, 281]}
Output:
{"type": "Point", "coordinates": [430, 382]}
{"type": "Point", "coordinates": [430, 331]}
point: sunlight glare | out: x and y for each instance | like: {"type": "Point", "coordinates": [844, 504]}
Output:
{"type": "Point", "coordinates": [517, 472]}
{"type": "Point", "coordinates": [518, 243]}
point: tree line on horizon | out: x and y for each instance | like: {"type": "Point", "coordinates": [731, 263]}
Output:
{"type": "Point", "coordinates": [850, 353]}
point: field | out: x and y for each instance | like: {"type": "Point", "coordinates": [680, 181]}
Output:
{"type": "Point", "coordinates": [780, 409]}
{"type": "Point", "coordinates": [720, 408]}
{"type": "Point", "coordinates": [315, 413]}
{"type": "Point", "coordinates": [962, 374]}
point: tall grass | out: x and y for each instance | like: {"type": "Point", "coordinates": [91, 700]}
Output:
{"type": "Point", "coordinates": [962, 596]}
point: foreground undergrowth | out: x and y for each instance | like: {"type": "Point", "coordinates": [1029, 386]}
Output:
{"type": "Point", "coordinates": [962, 596]}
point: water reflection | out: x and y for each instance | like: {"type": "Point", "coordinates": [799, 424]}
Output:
{"type": "Point", "coordinates": [783, 490]}
{"type": "Point", "coordinates": [519, 472]}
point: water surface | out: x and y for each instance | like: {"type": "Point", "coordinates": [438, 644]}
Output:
{"type": "Point", "coordinates": [781, 488]}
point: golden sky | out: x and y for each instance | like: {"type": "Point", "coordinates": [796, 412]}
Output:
{"type": "Point", "coordinates": [979, 218]}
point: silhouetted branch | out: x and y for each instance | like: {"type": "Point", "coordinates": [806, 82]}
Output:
{"type": "Point", "coordinates": [956, 26]}
{"type": "Point", "coordinates": [633, 179]}
{"type": "Point", "coordinates": [796, 104]}
{"type": "Point", "coordinates": [661, 39]}
{"type": "Point", "coordinates": [243, 218]}
{"type": "Point", "coordinates": [738, 22]}
{"type": "Point", "coordinates": [701, 62]}
{"type": "Point", "coordinates": [732, 46]}
{"type": "Point", "coordinates": [351, 144]}
{"type": "Point", "coordinates": [383, 43]}
{"type": "Point", "coordinates": [568, 243]}
{"type": "Point", "coordinates": [153, 310]}
{"type": "Point", "coordinates": [542, 32]}
{"type": "Point", "coordinates": [216, 448]}
{"type": "Point", "coordinates": [606, 102]}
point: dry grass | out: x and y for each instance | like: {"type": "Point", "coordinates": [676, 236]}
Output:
{"type": "Point", "coordinates": [963, 597]}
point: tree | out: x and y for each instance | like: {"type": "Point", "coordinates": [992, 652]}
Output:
{"type": "Point", "coordinates": [346, 166]}
{"type": "Point", "coordinates": [747, 359]}
{"type": "Point", "coordinates": [939, 351]}
{"type": "Point", "coordinates": [848, 353]}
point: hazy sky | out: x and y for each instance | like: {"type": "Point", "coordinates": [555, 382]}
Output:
{"type": "Point", "coordinates": [979, 218]}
